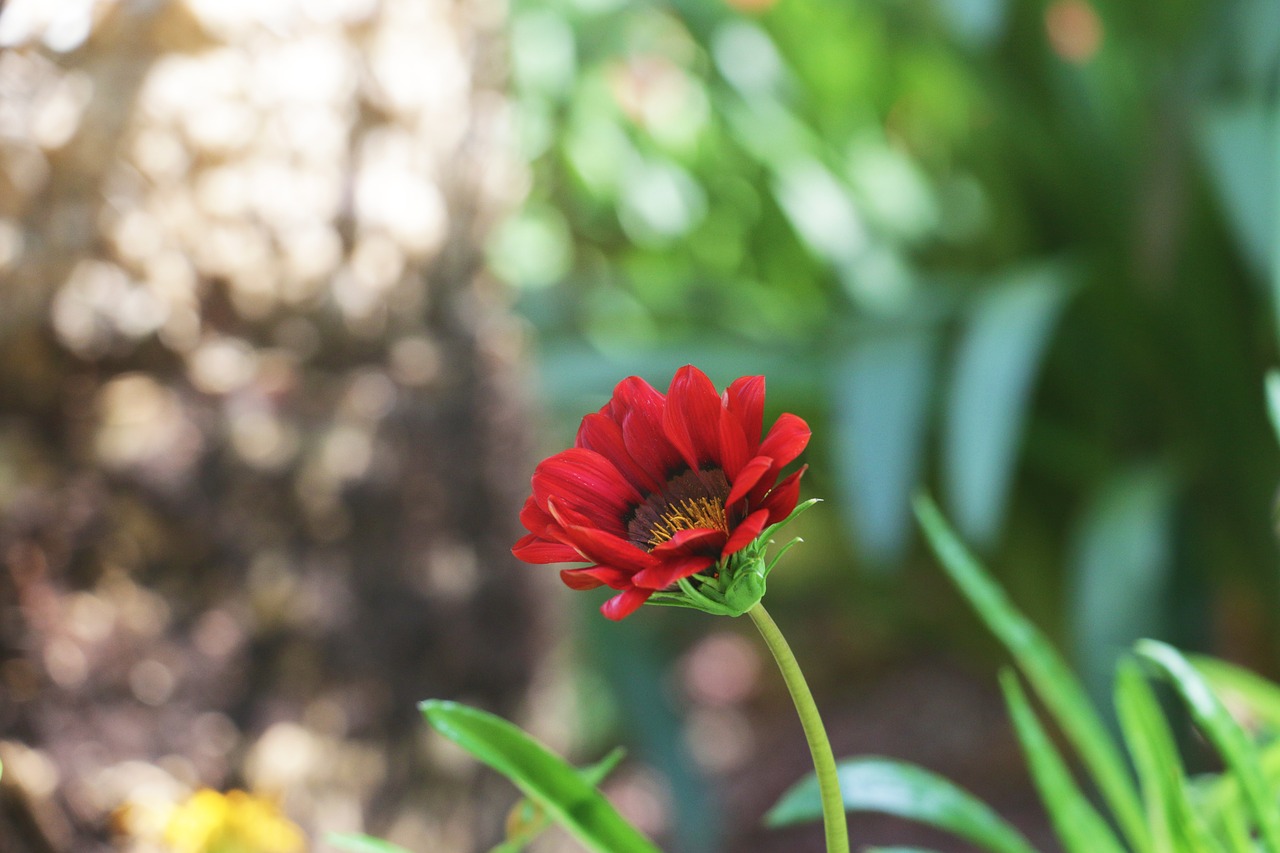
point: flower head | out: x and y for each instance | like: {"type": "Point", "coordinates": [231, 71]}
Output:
{"type": "Point", "coordinates": [234, 822]}
{"type": "Point", "coordinates": [668, 497]}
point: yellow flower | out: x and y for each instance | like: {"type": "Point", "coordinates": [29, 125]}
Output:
{"type": "Point", "coordinates": [235, 822]}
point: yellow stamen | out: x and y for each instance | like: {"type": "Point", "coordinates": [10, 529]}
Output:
{"type": "Point", "coordinates": [688, 514]}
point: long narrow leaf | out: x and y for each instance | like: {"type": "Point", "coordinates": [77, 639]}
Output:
{"type": "Point", "coordinates": [905, 790]}
{"type": "Point", "coordinates": [1225, 734]}
{"type": "Point", "coordinates": [1175, 827]}
{"type": "Point", "coordinates": [993, 372]}
{"type": "Point", "coordinates": [1078, 825]}
{"type": "Point", "coordinates": [1045, 669]}
{"type": "Point", "coordinates": [1236, 141]}
{"type": "Point", "coordinates": [882, 389]}
{"type": "Point", "coordinates": [544, 777]}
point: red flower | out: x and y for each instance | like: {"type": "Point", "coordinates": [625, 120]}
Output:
{"type": "Point", "coordinates": [658, 488]}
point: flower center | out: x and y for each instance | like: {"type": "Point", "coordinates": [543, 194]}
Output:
{"type": "Point", "coordinates": [688, 514]}
{"type": "Point", "coordinates": [691, 500]}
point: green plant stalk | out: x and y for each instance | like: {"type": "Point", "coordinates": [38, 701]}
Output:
{"type": "Point", "coordinates": [824, 762]}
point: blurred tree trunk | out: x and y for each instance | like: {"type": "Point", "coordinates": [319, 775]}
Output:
{"type": "Point", "coordinates": [262, 435]}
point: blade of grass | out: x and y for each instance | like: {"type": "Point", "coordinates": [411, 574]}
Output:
{"type": "Point", "coordinates": [904, 790]}
{"type": "Point", "coordinates": [1080, 828]}
{"type": "Point", "coordinates": [1175, 827]}
{"type": "Point", "coordinates": [1045, 670]}
{"type": "Point", "coordinates": [1222, 730]}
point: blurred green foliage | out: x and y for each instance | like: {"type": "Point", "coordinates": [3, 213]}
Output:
{"type": "Point", "coordinates": [1025, 253]}
{"type": "Point", "coordinates": [1026, 250]}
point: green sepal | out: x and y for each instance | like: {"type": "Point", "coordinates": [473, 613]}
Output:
{"type": "Point", "coordinates": [732, 586]}
{"type": "Point", "coordinates": [768, 532]}
{"type": "Point", "coordinates": [746, 585]}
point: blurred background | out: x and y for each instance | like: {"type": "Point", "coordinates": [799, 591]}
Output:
{"type": "Point", "coordinates": [294, 294]}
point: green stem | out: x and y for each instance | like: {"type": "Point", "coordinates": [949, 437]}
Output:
{"type": "Point", "coordinates": [824, 762]}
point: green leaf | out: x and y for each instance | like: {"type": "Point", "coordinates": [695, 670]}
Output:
{"type": "Point", "coordinates": [357, 843]}
{"type": "Point", "coordinates": [527, 820]}
{"type": "Point", "coordinates": [1226, 735]}
{"type": "Point", "coordinates": [1175, 826]}
{"type": "Point", "coordinates": [990, 388]}
{"type": "Point", "coordinates": [1044, 668]}
{"type": "Point", "coordinates": [543, 777]}
{"type": "Point", "coordinates": [881, 390]}
{"type": "Point", "coordinates": [1079, 827]}
{"type": "Point", "coordinates": [901, 789]}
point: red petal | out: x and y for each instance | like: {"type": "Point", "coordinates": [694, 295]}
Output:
{"type": "Point", "coordinates": [595, 576]}
{"type": "Point", "coordinates": [748, 477]}
{"type": "Point", "coordinates": [623, 605]}
{"type": "Point", "coordinates": [534, 549]}
{"type": "Point", "coordinates": [784, 497]}
{"type": "Point", "coordinates": [631, 393]}
{"type": "Point", "coordinates": [607, 549]}
{"type": "Point", "coordinates": [641, 417]}
{"type": "Point", "coordinates": [785, 440]}
{"type": "Point", "coordinates": [746, 532]}
{"type": "Point", "coordinates": [535, 519]}
{"type": "Point", "coordinates": [746, 400]}
{"type": "Point", "coordinates": [587, 482]}
{"type": "Point", "coordinates": [564, 517]}
{"type": "Point", "coordinates": [691, 420]}
{"type": "Point", "coordinates": [708, 540]}
{"type": "Point", "coordinates": [668, 572]}
{"type": "Point", "coordinates": [602, 434]}
{"type": "Point", "coordinates": [734, 452]}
